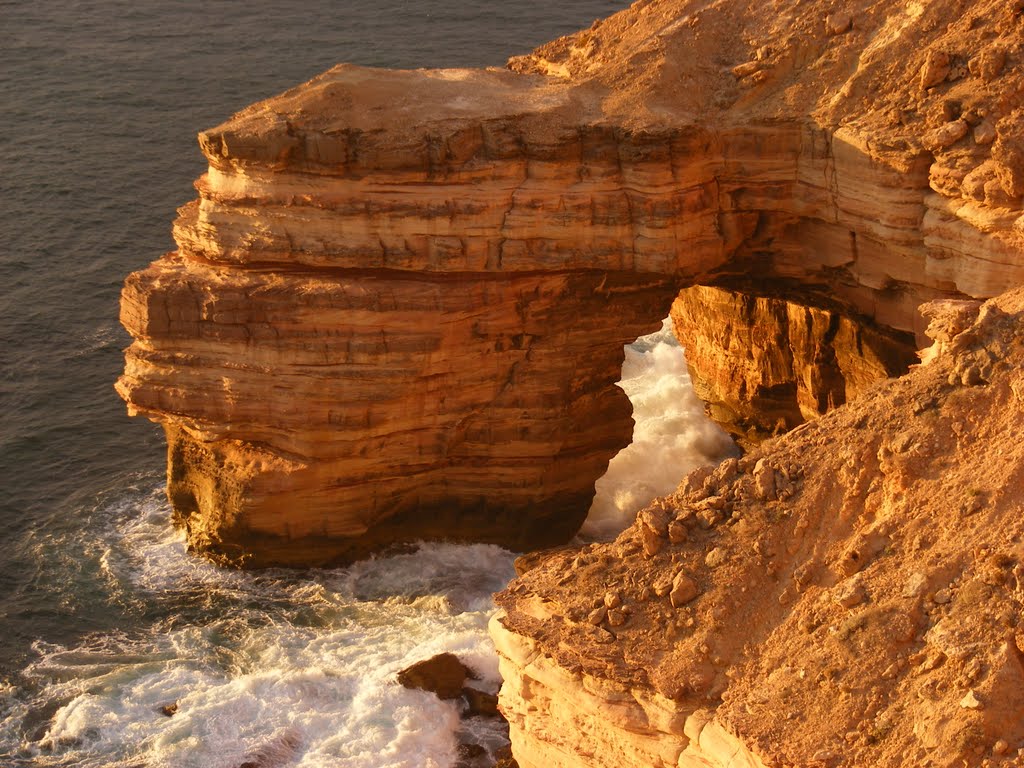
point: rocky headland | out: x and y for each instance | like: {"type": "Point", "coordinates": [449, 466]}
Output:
{"type": "Point", "coordinates": [397, 312]}
{"type": "Point", "coordinates": [397, 308]}
{"type": "Point", "coordinates": [848, 594]}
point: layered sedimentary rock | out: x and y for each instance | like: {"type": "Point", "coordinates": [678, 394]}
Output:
{"type": "Point", "coordinates": [397, 309]}
{"type": "Point", "coordinates": [431, 421]}
{"type": "Point", "coordinates": [764, 365]}
{"type": "Point", "coordinates": [849, 594]}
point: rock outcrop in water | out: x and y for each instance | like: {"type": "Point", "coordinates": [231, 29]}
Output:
{"type": "Point", "coordinates": [397, 309]}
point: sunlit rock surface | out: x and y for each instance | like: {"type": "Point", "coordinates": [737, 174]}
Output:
{"type": "Point", "coordinates": [848, 594]}
{"type": "Point", "coordinates": [397, 308]}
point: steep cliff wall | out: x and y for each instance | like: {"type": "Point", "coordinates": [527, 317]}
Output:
{"type": "Point", "coordinates": [849, 594]}
{"type": "Point", "coordinates": [397, 308]}
{"type": "Point", "coordinates": [765, 365]}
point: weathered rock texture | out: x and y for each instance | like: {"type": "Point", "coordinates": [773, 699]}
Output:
{"type": "Point", "coordinates": [765, 365]}
{"type": "Point", "coordinates": [397, 308]}
{"type": "Point", "coordinates": [849, 594]}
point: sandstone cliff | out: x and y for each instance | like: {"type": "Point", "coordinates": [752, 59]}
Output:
{"type": "Point", "coordinates": [765, 365]}
{"type": "Point", "coordinates": [397, 308]}
{"type": "Point", "coordinates": [849, 594]}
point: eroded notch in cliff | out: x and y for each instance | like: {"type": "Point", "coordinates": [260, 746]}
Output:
{"type": "Point", "coordinates": [766, 364]}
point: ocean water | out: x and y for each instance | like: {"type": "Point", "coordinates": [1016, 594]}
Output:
{"type": "Point", "coordinates": [106, 619]}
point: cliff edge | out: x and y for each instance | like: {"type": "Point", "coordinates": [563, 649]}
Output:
{"type": "Point", "coordinates": [849, 594]}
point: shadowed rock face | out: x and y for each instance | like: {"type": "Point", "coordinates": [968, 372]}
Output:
{"type": "Point", "coordinates": [764, 365]}
{"type": "Point", "coordinates": [397, 309]}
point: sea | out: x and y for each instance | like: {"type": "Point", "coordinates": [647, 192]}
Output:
{"type": "Point", "coordinates": [118, 647]}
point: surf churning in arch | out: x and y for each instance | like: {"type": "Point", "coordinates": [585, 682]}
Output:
{"type": "Point", "coordinates": [672, 435]}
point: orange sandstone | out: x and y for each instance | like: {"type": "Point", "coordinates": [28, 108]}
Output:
{"type": "Point", "coordinates": [397, 308]}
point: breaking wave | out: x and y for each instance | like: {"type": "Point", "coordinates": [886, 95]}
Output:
{"type": "Point", "coordinates": [273, 668]}
{"type": "Point", "coordinates": [296, 668]}
{"type": "Point", "coordinates": [672, 436]}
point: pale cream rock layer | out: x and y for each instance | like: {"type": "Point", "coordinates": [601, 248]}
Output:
{"type": "Point", "coordinates": [562, 719]}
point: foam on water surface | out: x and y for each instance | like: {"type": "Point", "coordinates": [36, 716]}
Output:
{"type": "Point", "coordinates": [289, 668]}
{"type": "Point", "coordinates": [294, 668]}
{"type": "Point", "coordinates": [672, 435]}
{"type": "Point", "coordinates": [279, 667]}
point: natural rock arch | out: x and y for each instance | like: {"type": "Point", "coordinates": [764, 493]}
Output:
{"type": "Point", "coordinates": [397, 309]}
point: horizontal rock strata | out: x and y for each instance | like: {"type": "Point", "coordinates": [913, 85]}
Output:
{"type": "Point", "coordinates": [397, 308]}
{"type": "Point", "coordinates": [566, 718]}
{"type": "Point", "coordinates": [417, 425]}
{"type": "Point", "coordinates": [850, 593]}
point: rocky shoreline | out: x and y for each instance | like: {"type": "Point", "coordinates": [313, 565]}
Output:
{"type": "Point", "coordinates": [397, 312]}
{"type": "Point", "coordinates": [847, 594]}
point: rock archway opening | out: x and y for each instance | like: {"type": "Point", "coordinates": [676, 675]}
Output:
{"type": "Point", "coordinates": [750, 365]}
{"type": "Point", "coordinates": [672, 434]}
{"type": "Point", "coordinates": [382, 327]}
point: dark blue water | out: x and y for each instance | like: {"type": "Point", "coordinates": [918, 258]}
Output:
{"type": "Point", "coordinates": [101, 101]}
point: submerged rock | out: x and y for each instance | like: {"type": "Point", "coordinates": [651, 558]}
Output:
{"type": "Point", "coordinates": [278, 752]}
{"type": "Point", "coordinates": [480, 703]}
{"type": "Point", "coordinates": [443, 675]}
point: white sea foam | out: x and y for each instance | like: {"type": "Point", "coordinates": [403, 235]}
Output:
{"type": "Point", "coordinates": [295, 669]}
{"type": "Point", "coordinates": [672, 435]}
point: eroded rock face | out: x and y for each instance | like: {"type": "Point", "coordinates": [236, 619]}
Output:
{"type": "Point", "coordinates": [397, 309]}
{"type": "Point", "coordinates": [444, 675]}
{"type": "Point", "coordinates": [764, 365]}
{"type": "Point", "coordinates": [854, 591]}
{"type": "Point", "coordinates": [456, 411]}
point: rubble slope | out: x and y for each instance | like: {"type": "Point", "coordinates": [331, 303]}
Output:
{"type": "Point", "coordinates": [850, 593]}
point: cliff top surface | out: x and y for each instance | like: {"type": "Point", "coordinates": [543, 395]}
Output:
{"type": "Point", "coordinates": [901, 77]}
{"type": "Point", "coordinates": [883, 63]}
{"type": "Point", "coordinates": [852, 590]}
